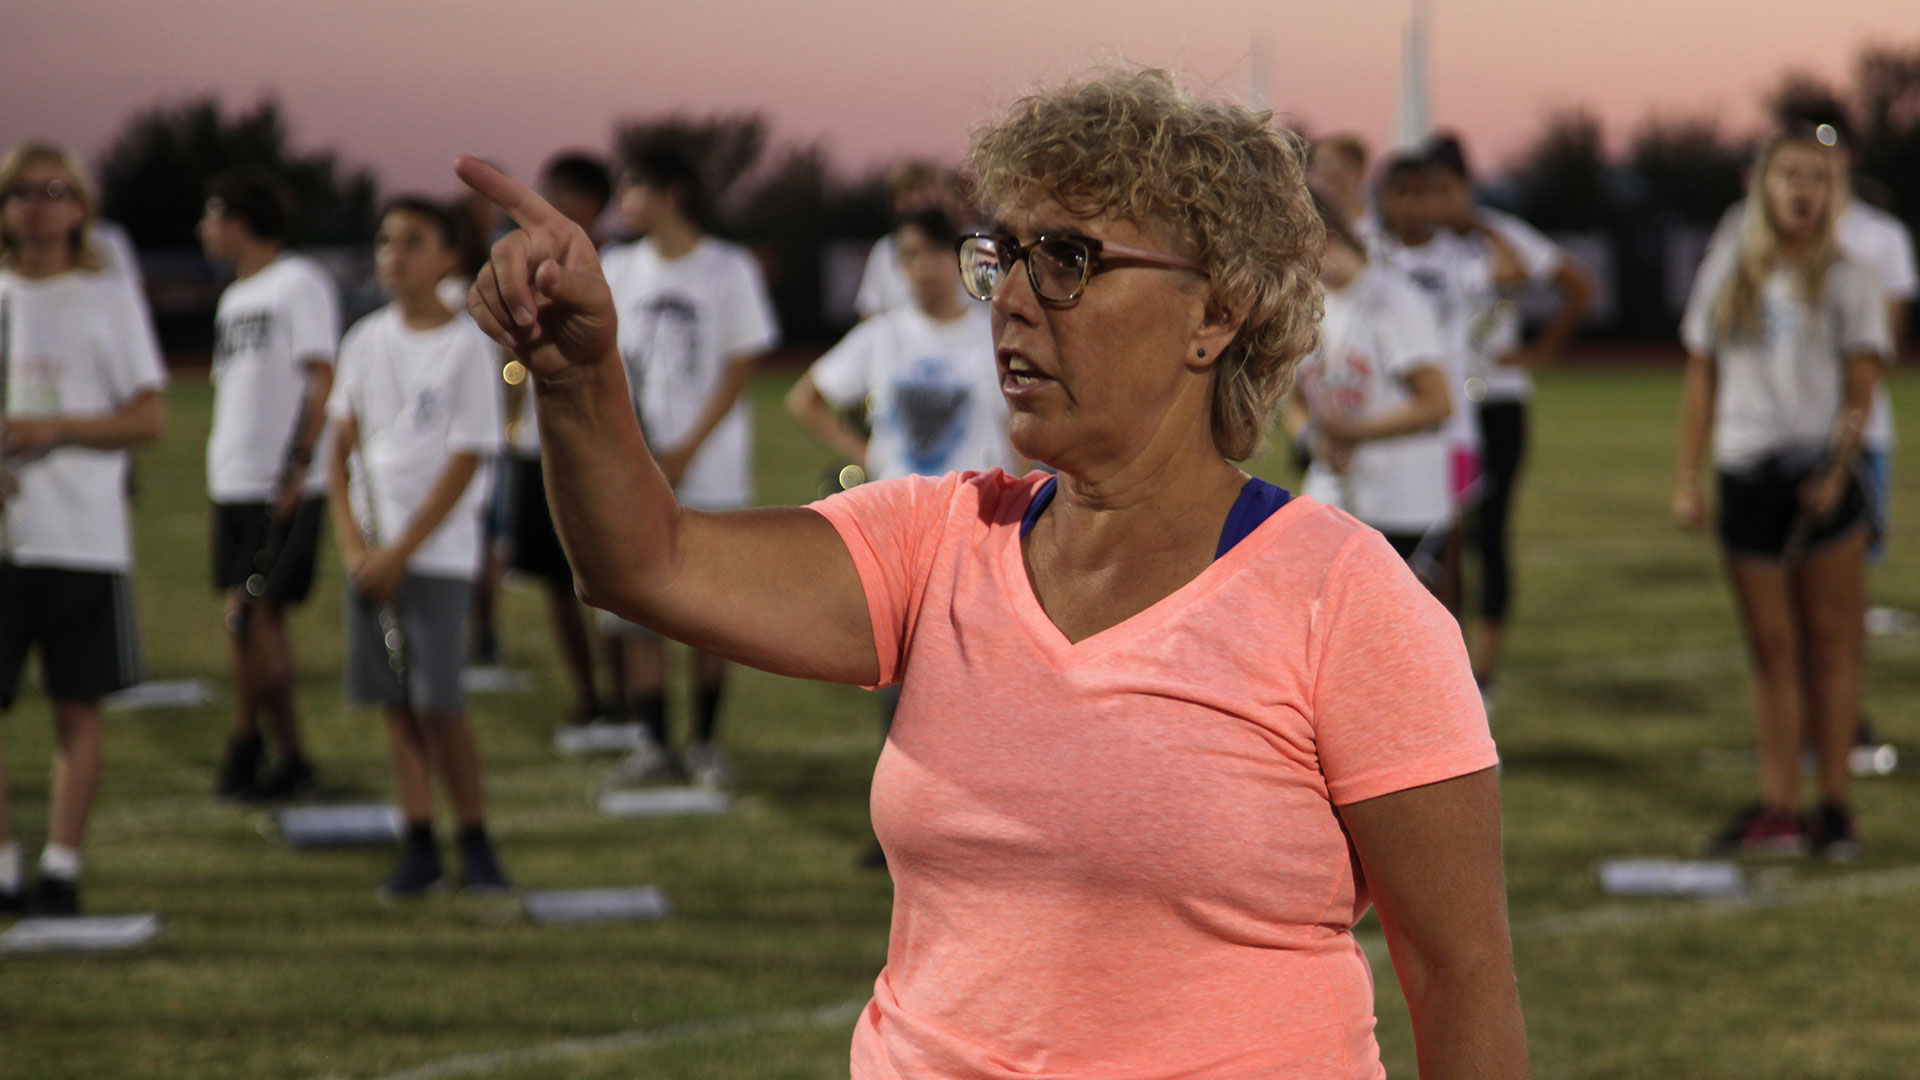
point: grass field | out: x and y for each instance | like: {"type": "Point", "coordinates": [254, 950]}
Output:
{"type": "Point", "coordinates": [1625, 668]}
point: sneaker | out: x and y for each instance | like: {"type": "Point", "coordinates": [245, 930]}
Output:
{"type": "Point", "coordinates": [286, 778]}
{"type": "Point", "coordinates": [480, 870]}
{"type": "Point", "coordinates": [708, 767]}
{"type": "Point", "coordinates": [13, 903]}
{"type": "Point", "coordinates": [54, 897]}
{"type": "Point", "coordinates": [239, 773]}
{"type": "Point", "coordinates": [415, 875]}
{"type": "Point", "coordinates": [647, 763]}
{"type": "Point", "coordinates": [1830, 828]}
{"type": "Point", "coordinates": [1763, 832]}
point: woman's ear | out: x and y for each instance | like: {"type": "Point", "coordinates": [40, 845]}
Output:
{"type": "Point", "coordinates": [1220, 323]}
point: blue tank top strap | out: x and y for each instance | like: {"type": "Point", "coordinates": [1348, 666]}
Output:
{"type": "Point", "coordinates": [1042, 498]}
{"type": "Point", "coordinates": [1257, 502]}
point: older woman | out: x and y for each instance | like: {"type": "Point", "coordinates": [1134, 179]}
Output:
{"type": "Point", "coordinates": [1165, 733]}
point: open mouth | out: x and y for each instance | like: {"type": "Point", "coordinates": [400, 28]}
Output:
{"type": "Point", "coordinates": [1017, 373]}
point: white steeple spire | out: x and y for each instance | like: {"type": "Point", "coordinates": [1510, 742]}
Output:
{"type": "Point", "coordinates": [1412, 125]}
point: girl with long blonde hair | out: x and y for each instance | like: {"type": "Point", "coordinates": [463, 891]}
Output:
{"type": "Point", "coordinates": [1785, 341]}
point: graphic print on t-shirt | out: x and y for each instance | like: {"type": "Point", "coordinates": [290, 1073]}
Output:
{"type": "Point", "coordinates": [238, 334]}
{"type": "Point", "coordinates": [930, 405]}
{"type": "Point", "coordinates": [666, 349]}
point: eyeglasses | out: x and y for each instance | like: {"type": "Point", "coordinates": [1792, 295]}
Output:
{"type": "Point", "coordinates": [1058, 267]}
{"type": "Point", "coordinates": [52, 191]}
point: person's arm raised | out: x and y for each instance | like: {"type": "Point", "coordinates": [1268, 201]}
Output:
{"type": "Point", "coordinates": [773, 588]}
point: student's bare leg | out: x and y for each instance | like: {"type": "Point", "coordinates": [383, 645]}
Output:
{"type": "Point", "coordinates": [412, 786]}
{"type": "Point", "coordinates": [76, 771]}
{"type": "Point", "coordinates": [455, 754]}
{"type": "Point", "coordinates": [273, 659]}
{"type": "Point", "coordinates": [1765, 603]}
{"type": "Point", "coordinates": [1828, 587]}
{"type": "Point", "coordinates": [709, 677]}
{"type": "Point", "coordinates": [240, 654]}
{"type": "Point", "coordinates": [646, 672]}
{"type": "Point", "coordinates": [569, 619]}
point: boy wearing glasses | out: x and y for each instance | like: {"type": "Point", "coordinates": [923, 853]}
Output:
{"type": "Point", "coordinates": [275, 332]}
{"type": "Point", "coordinates": [694, 319]}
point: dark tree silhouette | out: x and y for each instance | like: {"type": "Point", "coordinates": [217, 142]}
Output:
{"type": "Point", "coordinates": [1691, 169]}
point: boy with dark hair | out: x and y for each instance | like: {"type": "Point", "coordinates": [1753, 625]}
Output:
{"type": "Point", "coordinates": [416, 409]}
{"type": "Point", "coordinates": [579, 186]}
{"type": "Point", "coordinates": [694, 319]}
{"type": "Point", "coordinates": [275, 331]}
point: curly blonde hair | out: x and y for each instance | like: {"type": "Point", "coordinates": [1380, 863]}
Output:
{"type": "Point", "coordinates": [1228, 183]}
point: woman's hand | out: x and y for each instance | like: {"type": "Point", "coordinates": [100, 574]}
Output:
{"type": "Point", "coordinates": [1690, 504]}
{"type": "Point", "coordinates": [1822, 493]}
{"type": "Point", "coordinates": [542, 293]}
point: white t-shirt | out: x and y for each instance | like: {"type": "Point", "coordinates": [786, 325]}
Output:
{"type": "Point", "coordinates": [1539, 258]}
{"type": "Point", "coordinates": [420, 396]}
{"type": "Point", "coordinates": [1377, 331]}
{"type": "Point", "coordinates": [1781, 390]}
{"type": "Point", "coordinates": [682, 323]}
{"type": "Point", "coordinates": [81, 346]}
{"type": "Point", "coordinates": [267, 329]}
{"type": "Point", "coordinates": [1880, 244]}
{"type": "Point", "coordinates": [935, 389]}
{"type": "Point", "coordinates": [1456, 278]}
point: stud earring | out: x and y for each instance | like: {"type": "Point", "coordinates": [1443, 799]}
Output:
{"type": "Point", "coordinates": [1203, 354]}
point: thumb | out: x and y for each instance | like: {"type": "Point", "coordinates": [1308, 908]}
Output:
{"type": "Point", "coordinates": [572, 289]}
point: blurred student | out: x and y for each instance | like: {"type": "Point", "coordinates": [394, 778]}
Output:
{"type": "Point", "coordinates": [415, 412]}
{"type": "Point", "coordinates": [276, 329]}
{"type": "Point", "coordinates": [1498, 385]}
{"type": "Point", "coordinates": [694, 319]}
{"type": "Point", "coordinates": [82, 382]}
{"type": "Point", "coordinates": [1338, 171]}
{"type": "Point", "coordinates": [1785, 342]}
{"type": "Point", "coordinates": [1451, 275]}
{"type": "Point", "coordinates": [1372, 398]}
{"type": "Point", "coordinates": [579, 186]}
{"type": "Point", "coordinates": [914, 186]}
{"type": "Point", "coordinates": [926, 375]}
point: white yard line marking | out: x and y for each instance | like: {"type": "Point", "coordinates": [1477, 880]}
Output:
{"type": "Point", "coordinates": [637, 1038]}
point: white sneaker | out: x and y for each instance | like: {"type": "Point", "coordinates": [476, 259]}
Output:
{"type": "Point", "coordinates": [708, 767]}
{"type": "Point", "coordinates": [647, 763]}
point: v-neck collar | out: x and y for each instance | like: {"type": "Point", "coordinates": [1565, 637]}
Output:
{"type": "Point", "coordinates": [1062, 652]}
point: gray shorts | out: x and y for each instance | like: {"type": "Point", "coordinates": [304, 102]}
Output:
{"type": "Point", "coordinates": [433, 627]}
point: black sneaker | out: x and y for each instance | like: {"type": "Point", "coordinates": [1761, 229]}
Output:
{"type": "Point", "coordinates": [13, 903]}
{"type": "Point", "coordinates": [240, 772]}
{"type": "Point", "coordinates": [480, 870]}
{"type": "Point", "coordinates": [1830, 828]}
{"type": "Point", "coordinates": [54, 897]}
{"type": "Point", "coordinates": [1761, 831]}
{"type": "Point", "coordinates": [415, 875]}
{"type": "Point", "coordinates": [286, 778]}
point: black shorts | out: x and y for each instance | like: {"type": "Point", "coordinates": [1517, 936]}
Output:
{"type": "Point", "coordinates": [1760, 509]}
{"type": "Point", "coordinates": [536, 546]}
{"type": "Point", "coordinates": [81, 621]}
{"type": "Point", "coordinates": [245, 537]}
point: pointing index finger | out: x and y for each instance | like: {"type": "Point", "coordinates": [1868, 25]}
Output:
{"type": "Point", "coordinates": [527, 209]}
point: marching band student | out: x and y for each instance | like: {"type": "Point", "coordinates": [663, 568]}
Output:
{"type": "Point", "coordinates": [416, 410]}
{"type": "Point", "coordinates": [80, 384]}
{"type": "Point", "coordinates": [1338, 171]}
{"type": "Point", "coordinates": [914, 186]}
{"type": "Point", "coordinates": [1785, 342]}
{"type": "Point", "coordinates": [1372, 398]}
{"type": "Point", "coordinates": [275, 332]}
{"type": "Point", "coordinates": [694, 319]}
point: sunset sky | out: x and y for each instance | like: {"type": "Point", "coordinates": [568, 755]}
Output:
{"type": "Point", "coordinates": [404, 85]}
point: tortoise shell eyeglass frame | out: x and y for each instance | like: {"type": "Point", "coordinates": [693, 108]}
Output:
{"type": "Point", "coordinates": [1059, 265]}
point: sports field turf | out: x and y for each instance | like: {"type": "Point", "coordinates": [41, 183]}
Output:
{"type": "Point", "coordinates": [1625, 669]}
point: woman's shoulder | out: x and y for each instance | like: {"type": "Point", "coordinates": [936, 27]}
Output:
{"type": "Point", "coordinates": [992, 497]}
{"type": "Point", "coordinates": [1317, 546]}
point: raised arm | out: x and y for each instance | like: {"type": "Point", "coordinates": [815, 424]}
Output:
{"type": "Point", "coordinates": [772, 588]}
{"type": "Point", "coordinates": [1431, 856]}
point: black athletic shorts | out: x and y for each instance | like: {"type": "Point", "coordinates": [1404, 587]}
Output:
{"type": "Point", "coordinates": [82, 623]}
{"type": "Point", "coordinates": [536, 546]}
{"type": "Point", "coordinates": [1760, 509]}
{"type": "Point", "coordinates": [245, 538]}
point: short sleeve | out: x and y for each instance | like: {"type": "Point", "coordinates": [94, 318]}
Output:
{"type": "Point", "coordinates": [313, 317]}
{"type": "Point", "coordinates": [1394, 701]}
{"type": "Point", "coordinates": [1696, 325]}
{"type": "Point", "coordinates": [1539, 256]}
{"type": "Point", "coordinates": [1409, 335]}
{"type": "Point", "coordinates": [844, 376]}
{"type": "Point", "coordinates": [747, 323]}
{"type": "Point", "coordinates": [478, 417]}
{"type": "Point", "coordinates": [1861, 309]}
{"type": "Point", "coordinates": [871, 299]}
{"type": "Point", "coordinates": [891, 528]}
{"type": "Point", "coordinates": [1903, 276]}
{"type": "Point", "coordinates": [133, 362]}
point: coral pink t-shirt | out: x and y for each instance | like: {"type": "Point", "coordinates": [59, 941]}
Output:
{"type": "Point", "coordinates": [1120, 858]}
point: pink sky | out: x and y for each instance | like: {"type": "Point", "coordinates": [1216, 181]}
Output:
{"type": "Point", "coordinates": [404, 85]}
